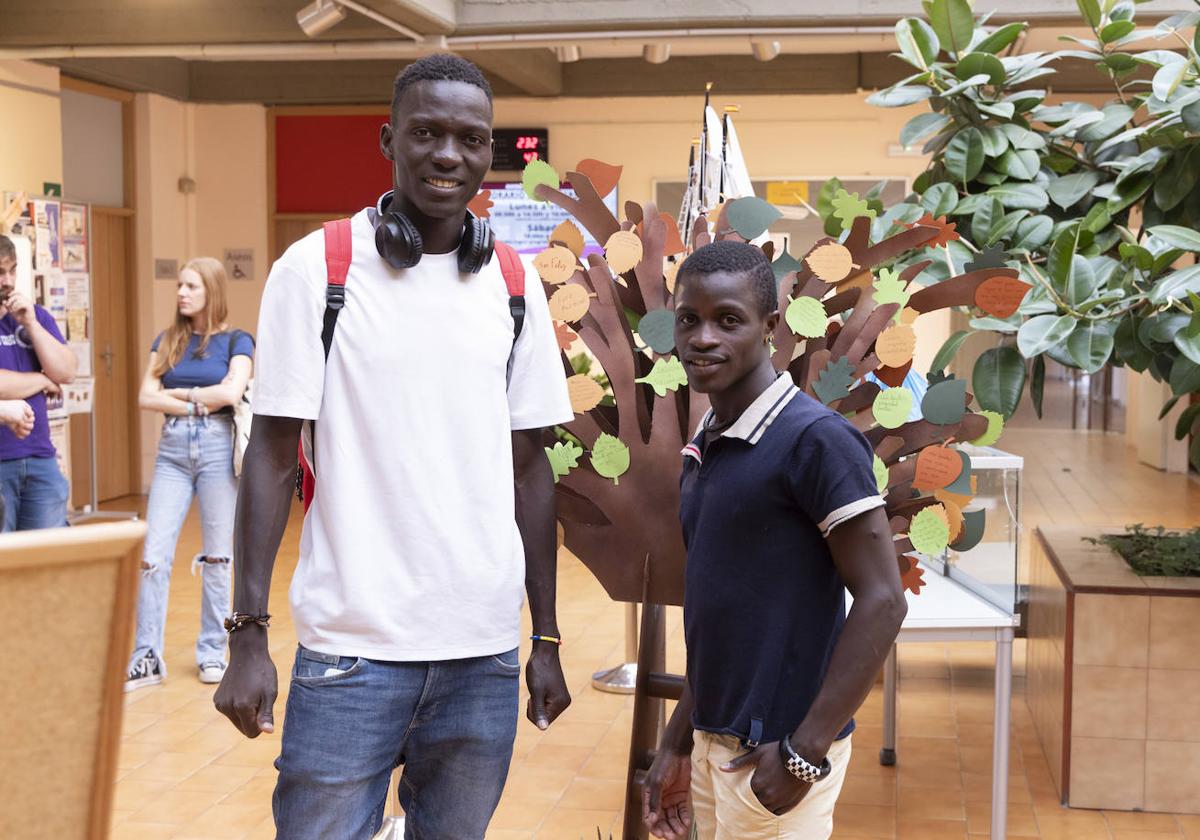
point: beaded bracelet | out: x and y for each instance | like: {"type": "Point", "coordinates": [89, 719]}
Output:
{"type": "Point", "coordinates": [554, 640]}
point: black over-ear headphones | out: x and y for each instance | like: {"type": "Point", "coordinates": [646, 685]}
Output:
{"type": "Point", "coordinates": [399, 242]}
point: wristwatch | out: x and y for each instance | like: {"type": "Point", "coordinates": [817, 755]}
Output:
{"type": "Point", "coordinates": [803, 770]}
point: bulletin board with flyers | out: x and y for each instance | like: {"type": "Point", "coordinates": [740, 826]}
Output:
{"type": "Point", "coordinates": [51, 237]}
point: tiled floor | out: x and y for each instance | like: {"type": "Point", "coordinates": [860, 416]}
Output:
{"type": "Point", "coordinates": [186, 773]}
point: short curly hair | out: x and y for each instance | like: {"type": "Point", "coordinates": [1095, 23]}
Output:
{"type": "Point", "coordinates": [439, 67]}
{"type": "Point", "coordinates": [8, 251]}
{"type": "Point", "coordinates": [736, 258]}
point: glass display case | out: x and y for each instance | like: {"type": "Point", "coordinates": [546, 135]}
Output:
{"type": "Point", "coordinates": [990, 569]}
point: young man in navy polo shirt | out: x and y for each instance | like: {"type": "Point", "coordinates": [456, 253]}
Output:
{"type": "Point", "coordinates": [780, 516]}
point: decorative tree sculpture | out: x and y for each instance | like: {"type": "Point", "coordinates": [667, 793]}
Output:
{"type": "Point", "coordinates": [846, 314]}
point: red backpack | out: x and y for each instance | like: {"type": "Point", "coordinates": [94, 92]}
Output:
{"type": "Point", "coordinates": [338, 252]}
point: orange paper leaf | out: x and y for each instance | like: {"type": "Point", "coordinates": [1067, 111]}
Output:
{"type": "Point", "coordinates": [674, 244]}
{"type": "Point", "coordinates": [481, 205]}
{"type": "Point", "coordinates": [937, 466]}
{"type": "Point", "coordinates": [564, 336]}
{"type": "Point", "coordinates": [1000, 296]}
{"type": "Point", "coordinates": [604, 176]}
{"type": "Point", "coordinates": [946, 230]}
{"type": "Point", "coordinates": [912, 578]}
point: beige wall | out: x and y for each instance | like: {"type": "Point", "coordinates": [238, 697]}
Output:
{"type": "Point", "coordinates": [30, 127]}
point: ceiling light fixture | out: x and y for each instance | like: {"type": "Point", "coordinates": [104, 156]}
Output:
{"type": "Point", "coordinates": [765, 50]}
{"type": "Point", "coordinates": [656, 53]}
{"type": "Point", "coordinates": [319, 17]}
{"type": "Point", "coordinates": [568, 54]}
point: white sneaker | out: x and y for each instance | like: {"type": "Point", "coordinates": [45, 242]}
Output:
{"type": "Point", "coordinates": [211, 672]}
{"type": "Point", "coordinates": [145, 671]}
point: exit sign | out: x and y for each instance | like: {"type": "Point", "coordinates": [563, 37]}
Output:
{"type": "Point", "coordinates": [513, 148]}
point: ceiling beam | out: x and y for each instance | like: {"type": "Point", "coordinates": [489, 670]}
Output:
{"type": "Point", "coordinates": [533, 72]}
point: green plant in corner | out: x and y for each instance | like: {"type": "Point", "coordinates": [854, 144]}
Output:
{"type": "Point", "coordinates": [1156, 551]}
{"type": "Point", "coordinates": [1098, 207]}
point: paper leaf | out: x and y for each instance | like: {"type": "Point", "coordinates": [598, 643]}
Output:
{"type": "Point", "coordinates": [995, 428]}
{"type": "Point", "coordinates": [936, 376]}
{"type": "Point", "coordinates": [674, 243]}
{"type": "Point", "coordinates": [945, 402]}
{"type": "Point", "coordinates": [538, 172]}
{"type": "Point", "coordinates": [937, 467]}
{"type": "Point", "coordinates": [786, 264]}
{"type": "Point", "coordinates": [895, 345]}
{"type": "Point", "coordinates": [892, 407]}
{"type": "Point", "coordinates": [944, 495]}
{"type": "Point", "coordinates": [946, 230]}
{"type": "Point", "coordinates": [604, 176]}
{"type": "Point", "coordinates": [564, 336]}
{"type": "Point", "coordinates": [954, 517]}
{"type": "Point", "coordinates": [881, 473]}
{"type": "Point", "coordinates": [993, 257]}
{"type": "Point", "coordinates": [929, 532]}
{"type": "Point", "coordinates": [889, 288]}
{"type": "Point", "coordinates": [835, 381]}
{"type": "Point", "coordinates": [623, 251]}
{"type": "Point", "coordinates": [481, 205]}
{"type": "Point", "coordinates": [666, 375]}
{"type": "Point", "coordinates": [913, 577]}
{"type": "Point", "coordinates": [670, 275]}
{"type": "Point", "coordinates": [569, 236]}
{"type": "Point", "coordinates": [1000, 296]}
{"type": "Point", "coordinates": [569, 303]}
{"type": "Point", "coordinates": [750, 216]}
{"type": "Point", "coordinates": [610, 457]}
{"type": "Point", "coordinates": [657, 330]}
{"type": "Point", "coordinates": [555, 265]}
{"type": "Point", "coordinates": [908, 315]}
{"type": "Point", "coordinates": [972, 530]}
{"type": "Point", "coordinates": [963, 486]}
{"type": "Point", "coordinates": [564, 457]}
{"type": "Point", "coordinates": [893, 377]}
{"type": "Point", "coordinates": [847, 207]}
{"type": "Point", "coordinates": [585, 393]}
{"type": "Point", "coordinates": [806, 317]}
{"type": "Point", "coordinates": [831, 262]}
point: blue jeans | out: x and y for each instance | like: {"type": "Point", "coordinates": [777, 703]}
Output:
{"type": "Point", "coordinates": [351, 721]}
{"type": "Point", "coordinates": [195, 457]}
{"type": "Point", "coordinates": [35, 494]}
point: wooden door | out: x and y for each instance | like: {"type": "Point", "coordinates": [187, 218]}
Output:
{"type": "Point", "coordinates": [116, 364]}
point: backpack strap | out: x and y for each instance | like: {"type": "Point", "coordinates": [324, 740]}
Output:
{"type": "Point", "coordinates": [338, 253]}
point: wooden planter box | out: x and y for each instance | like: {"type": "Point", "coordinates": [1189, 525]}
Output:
{"type": "Point", "coordinates": [1113, 676]}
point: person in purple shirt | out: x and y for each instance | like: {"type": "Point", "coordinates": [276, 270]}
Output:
{"type": "Point", "coordinates": [34, 361]}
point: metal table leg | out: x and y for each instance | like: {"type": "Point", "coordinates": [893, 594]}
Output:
{"type": "Point", "coordinates": [1003, 714]}
{"type": "Point", "coordinates": [621, 679]}
{"type": "Point", "coordinates": [887, 755]}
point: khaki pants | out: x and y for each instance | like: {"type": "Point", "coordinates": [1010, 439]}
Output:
{"type": "Point", "coordinates": [725, 808]}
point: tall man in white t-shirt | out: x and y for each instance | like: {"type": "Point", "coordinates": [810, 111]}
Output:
{"type": "Point", "coordinates": [408, 592]}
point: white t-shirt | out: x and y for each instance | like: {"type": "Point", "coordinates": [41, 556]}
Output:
{"type": "Point", "coordinates": [410, 549]}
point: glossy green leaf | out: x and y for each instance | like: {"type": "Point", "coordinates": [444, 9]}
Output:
{"type": "Point", "coordinates": [980, 63]}
{"type": "Point", "coordinates": [1082, 282]}
{"type": "Point", "coordinates": [1176, 285]}
{"type": "Point", "coordinates": [1167, 78]}
{"type": "Point", "coordinates": [1177, 236]}
{"type": "Point", "coordinates": [922, 126]}
{"type": "Point", "coordinates": [1137, 255]}
{"type": "Point", "coordinates": [940, 199]}
{"type": "Point", "coordinates": [1185, 376]}
{"type": "Point", "coordinates": [1020, 196]}
{"type": "Point", "coordinates": [1032, 233]}
{"type": "Point", "coordinates": [1177, 179]}
{"type": "Point", "coordinates": [1037, 384]}
{"type": "Point", "coordinates": [1023, 138]}
{"type": "Point", "coordinates": [945, 355]}
{"type": "Point", "coordinates": [1001, 38]}
{"type": "Point", "coordinates": [917, 41]}
{"type": "Point", "coordinates": [1069, 189]}
{"type": "Point", "coordinates": [1128, 347]}
{"type": "Point", "coordinates": [1042, 332]}
{"type": "Point", "coordinates": [898, 97]}
{"type": "Point", "coordinates": [1117, 30]}
{"type": "Point", "coordinates": [986, 218]}
{"type": "Point", "coordinates": [1090, 9]}
{"type": "Point", "coordinates": [1022, 165]}
{"type": "Point", "coordinates": [998, 380]}
{"type": "Point", "coordinates": [1127, 193]}
{"type": "Point", "coordinates": [1113, 119]}
{"type": "Point", "coordinates": [953, 22]}
{"type": "Point", "coordinates": [964, 154]}
{"type": "Point", "coordinates": [1090, 345]}
{"type": "Point", "coordinates": [1187, 340]}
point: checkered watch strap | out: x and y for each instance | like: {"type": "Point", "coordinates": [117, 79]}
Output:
{"type": "Point", "coordinates": [798, 767]}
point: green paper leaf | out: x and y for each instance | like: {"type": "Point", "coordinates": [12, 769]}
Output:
{"type": "Point", "coordinates": [998, 380]}
{"type": "Point", "coordinates": [610, 457]}
{"type": "Point", "coordinates": [929, 533]}
{"type": "Point", "coordinates": [657, 330]}
{"type": "Point", "coordinates": [564, 457]}
{"type": "Point", "coordinates": [889, 288]}
{"type": "Point", "coordinates": [961, 486]}
{"type": "Point", "coordinates": [835, 381]}
{"type": "Point", "coordinates": [946, 402]}
{"type": "Point", "coordinates": [953, 22]}
{"type": "Point", "coordinates": [1090, 345]}
{"type": "Point", "coordinates": [806, 317]}
{"type": "Point", "coordinates": [995, 428]}
{"type": "Point", "coordinates": [964, 154]}
{"type": "Point", "coordinates": [976, 63]}
{"type": "Point", "coordinates": [881, 474]}
{"type": "Point", "coordinates": [751, 216]}
{"type": "Point", "coordinates": [538, 172]}
{"type": "Point", "coordinates": [892, 406]}
{"type": "Point", "coordinates": [666, 375]}
{"type": "Point", "coordinates": [847, 207]}
{"type": "Point", "coordinates": [945, 355]}
{"type": "Point", "coordinates": [786, 264]}
{"type": "Point", "coordinates": [972, 530]}
{"type": "Point", "coordinates": [1040, 333]}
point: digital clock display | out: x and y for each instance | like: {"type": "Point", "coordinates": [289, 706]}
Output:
{"type": "Point", "coordinates": [513, 148]}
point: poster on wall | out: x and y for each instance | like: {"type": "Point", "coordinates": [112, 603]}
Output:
{"type": "Point", "coordinates": [239, 263]}
{"type": "Point", "coordinates": [77, 396]}
{"type": "Point", "coordinates": [73, 231]}
{"type": "Point", "coordinates": [526, 224]}
{"type": "Point", "coordinates": [78, 290]}
{"type": "Point", "coordinates": [46, 224]}
{"type": "Point", "coordinates": [83, 354]}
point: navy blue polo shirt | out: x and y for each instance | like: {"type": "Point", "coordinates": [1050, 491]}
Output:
{"type": "Point", "coordinates": [764, 603]}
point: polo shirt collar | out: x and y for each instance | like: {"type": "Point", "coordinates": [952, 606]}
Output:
{"type": "Point", "coordinates": [756, 419]}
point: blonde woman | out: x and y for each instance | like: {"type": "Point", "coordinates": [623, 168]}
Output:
{"type": "Point", "coordinates": [198, 371]}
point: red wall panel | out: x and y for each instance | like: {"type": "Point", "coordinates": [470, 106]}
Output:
{"type": "Point", "coordinates": [329, 163]}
